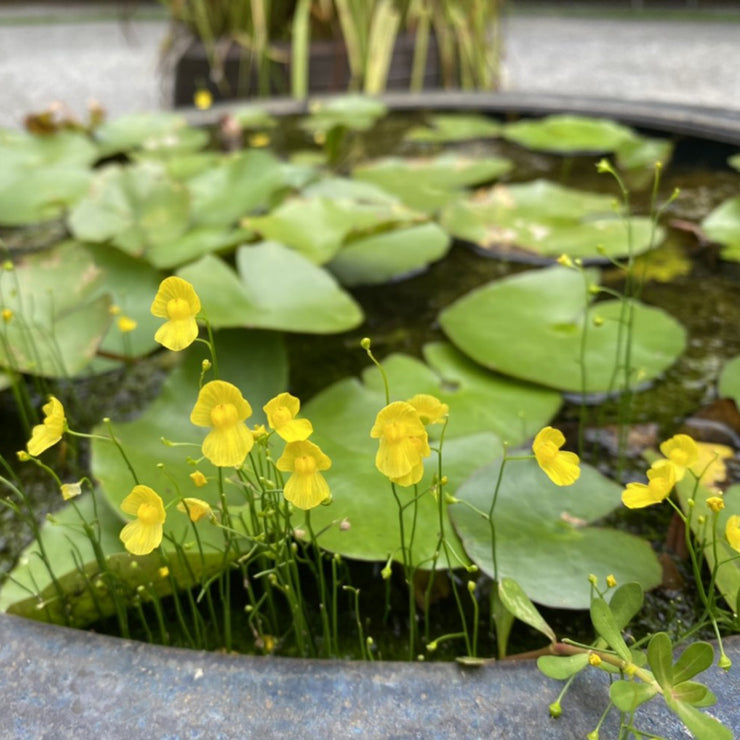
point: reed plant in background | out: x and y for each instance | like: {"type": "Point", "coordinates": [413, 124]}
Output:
{"type": "Point", "coordinates": [466, 33]}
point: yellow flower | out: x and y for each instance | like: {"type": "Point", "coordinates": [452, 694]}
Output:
{"type": "Point", "coordinates": [48, 433]}
{"type": "Point", "coordinates": [222, 407]}
{"type": "Point", "coordinates": [176, 301]}
{"type": "Point", "coordinates": [306, 488]}
{"type": "Point", "coordinates": [126, 324]}
{"type": "Point", "coordinates": [281, 412]}
{"type": "Point", "coordinates": [203, 99]}
{"type": "Point", "coordinates": [594, 659]}
{"type": "Point", "coordinates": [163, 572]}
{"type": "Point", "coordinates": [403, 443]}
{"type": "Point", "coordinates": [259, 432]}
{"type": "Point", "coordinates": [710, 464]}
{"type": "Point", "coordinates": [430, 409]}
{"type": "Point", "coordinates": [259, 140]}
{"type": "Point", "coordinates": [732, 532]}
{"type": "Point", "coordinates": [682, 453]}
{"type": "Point", "coordinates": [198, 478]}
{"type": "Point", "coordinates": [195, 508]}
{"type": "Point", "coordinates": [611, 581]}
{"type": "Point", "coordinates": [7, 315]}
{"type": "Point", "coordinates": [562, 468]}
{"type": "Point", "coordinates": [143, 534]}
{"type": "Point", "coordinates": [71, 490]}
{"type": "Point", "coordinates": [716, 503]}
{"type": "Point", "coordinates": [661, 479]}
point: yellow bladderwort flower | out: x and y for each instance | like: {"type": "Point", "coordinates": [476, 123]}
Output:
{"type": "Point", "coordinates": [176, 301]}
{"type": "Point", "coordinates": [71, 490]}
{"type": "Point", "coordinates": [682, 452]}
{"type": "Point", "coordinates": [403, 443]}
{"type": "Point", "coordinates": [259, 432]}
{"type": "Point", "coordinates": [143, 534]}
{"type": "Point", "coordinates": [222, 407]}
{"type": "Point", "coordinates": [281, 412]}
{"type": "Point", "coordinates": [710, 464]}
{"type": "Point", "coordinates": [48, 433]}
{"type": "Point", "coordinates": [661, 479]}
{"type": "Point", "coordinates": [126, 324]}
{"type": "Point", "coordinates": [202, 99]}
{"type": "Point", "coordinates": [732, 532]}
{"type": "Point", "coordinates": [7, 315]}
{"type": "Point", "coordinates": [306, 488]}
{"type": "Point", "coordinates": [562, 468]}
{"type": "Point", "coordinates": [195, 508]}
{"type": "Point", "coordinates": [198, 478]}
{"type": "Point", "coordinates": [430, 409]}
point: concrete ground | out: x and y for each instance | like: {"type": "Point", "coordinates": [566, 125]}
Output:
{"type": "Point", "coordinates": [112, 53]}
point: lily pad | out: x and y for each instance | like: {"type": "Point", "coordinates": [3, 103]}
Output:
{"type": "Point", "coordinates": [21, 150]}
{"type": "Point", "coordinates": [531, 325]}
{"type": "Point", "coordinates": [541, 218]}
{"type": "Point", "coordinates": [390, 255]}
{"type": "Point", "coordinates": [722, 226]}
{"type": "Point", "coordinates": [196, 243]}
{"type": "Point", "coordinates": [734, 161]}
{"type": "Point", "coordinates": [238, 186]}
{"type": "Point", "coordinates": [256, 362]}
{"type": "Point", "coordinates": [318, 227]}
{"type": "Point", "coordinates": [59, 313]}
{"type": "Point", "coordinates": [276, 288]}
{"type": "Point", "coordinates": [729, 381]}
{"type": "Point", "coordinates": [451, 127]}
{"type": "Point", "coordinates": [355, 112]}
{"type": "Point", "coordinates": [568, 134]}
{"type": "Point", "coordinates": [544, 536]}
{"type": "Point", "coordinates": [428, 183]}
{"type": "Point", "coordinates": [134, 208]}
{"type": "Point", "coordinates": [148, 131]}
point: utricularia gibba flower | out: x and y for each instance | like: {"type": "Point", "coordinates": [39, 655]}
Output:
{"type": "Point", "coordinates": [306, 487]}
{"type": "Point", "coordinates": [176, 301]}
{"type": "Point", "coordinates": [403, 443]}
{"type": "Point", "coordinates": [222, 407]}
{"type": "Point", "coordinates": [50, 431]}
{"type": "Point", "coordinates": [281, 414]}
{"type": "Point", "coordinates": [143, 534]}
{"type": "Point", "coordinates": [195, 508]}
{"type": "Point", "coordinates": [732, 532]}
{"type": "Point", "coordinates": [562, 467]}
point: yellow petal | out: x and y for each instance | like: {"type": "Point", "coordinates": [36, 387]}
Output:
{"type": "Point", "coordinates": [228, 447]}
{"type": "Point", "coordinates": [732, 532]}
{"type": "Point", "coordinates": [177, 335]}
{"type": "Point", "coordinates": [217, 393]}
{"type": "Point", "coordinates": [139, 538]}
{"type": "Point", "coordinates": [50, 431]}
{"type": "Point", "coordinates": [564, 469]}
{"type": "Point", "coordinates": [682, 452]}
{"type": "Point", "coordinates": [195, 508]}
{"type": "Point", "coordinates": [295, 430]}
{"type": "Point", "coordinates": [306, 491]}
{"type": "Point", "coordinates": [416, 474]}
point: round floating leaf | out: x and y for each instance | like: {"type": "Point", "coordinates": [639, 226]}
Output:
{"type": "Point", "coordinates": [133, 207]}
{"type": "Point", "coordinates": [21, 150]}
{"type": "Point", "coordinates": [239, 185]}
{"type": "Point", "coordinates": [59, 314]}
{"type": "Point", "coordinates": [252, 116]}
{"type": "Point", "coordinates": [543, 537]}
{"type": "Point", "coordinates": [390, 254]}
{"type": "Point", "coordinates": [345, 187]}
{"type": "Point", "coordinates": [318, 227]}
{"type": "Point", "coordinates": [355, 112]}
{"type": "Point", "coordinates": [196, 243]}
{"type": "Point", "coordinates": [145, 131]}
{"type": "Point", "coordinates": [531, 326]}
{"type": "Point", "coordinates": [40, 195]}
{"type": "Point", "coordinates": [734, 161]}
{"type": "Point", "coordinates": [722, 225]}
{"type": "Point", "coordinates": [729, 381]}
{"type": "Point", "coordinates": [256, 362]}
{"type": "Point", "coordinates": [276, 288]}
{"type": "Point", "coordinates": [449, 127]}
{"type": "Point", "coordinates": [545, 219]}
{"type": "Point", "coordinates": [428, 183]}
{"type": "Point", "coordinates": [568, 134]}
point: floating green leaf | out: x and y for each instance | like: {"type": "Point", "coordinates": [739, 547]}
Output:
{"type": "Point", "coordinates": [318, 227]}
{"type": "Point", "coordinates": [729, 380]}
{"type": "Point", "coordinates": [134, 207]}
{"type": "Point", "coordinates": [148, 131]}
{"type": "Point", "coordinates": [21, 150]}
{"type": "Point", "coordinates": [428, 183]}
{"type": "Point", "coordinates": [275, 288]}
{"type": "Point", "coordinates": [449, 127]}
{"type": "Point", "coordinates": [531, 326]}
{"type": "Point", "coordinates": [545, 219]}
{"type": "Point", "coordinates": [568, 134]}
{"type": "Point", "coordinates": [544, 539]}
{"type": "Point", "coordinates": [59, 313]}
{"type": "Point", "coordinates": [734, 161]}
{"type": "Point", "coordinates": [355, 112]}
{"type": "Point", "coordinates": [722, 226]}
{"type": "Point", "coordinates": [390, 254]}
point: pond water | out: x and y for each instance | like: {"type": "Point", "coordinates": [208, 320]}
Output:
{"type": "Point", "coordinates": [688, 280]}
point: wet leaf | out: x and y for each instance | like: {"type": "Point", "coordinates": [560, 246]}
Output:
{"type": "Point", "coordinates": [449, 127]}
